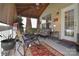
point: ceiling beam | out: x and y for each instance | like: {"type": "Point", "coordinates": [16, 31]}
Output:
{"type": "Point", "coordinates": [43, 9]}
{"type": "Point", "coordinates": [31, 16]}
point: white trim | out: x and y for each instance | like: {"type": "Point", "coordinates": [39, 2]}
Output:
{"type": "Point", "coordinates": [75, 7]}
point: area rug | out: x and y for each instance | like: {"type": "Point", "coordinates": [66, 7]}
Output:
{"type": "Point", "coordinates": [43, 49]}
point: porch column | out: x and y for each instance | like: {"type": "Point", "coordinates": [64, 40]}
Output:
{"type": "Point", "coordinates": [47, 24]}
{"type": "Point", "coordinates": [38, 25]}
{"type": "Point", "coordinates": [28, 24]}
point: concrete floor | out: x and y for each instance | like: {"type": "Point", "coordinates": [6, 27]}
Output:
{"type": "Point", "coordinates": [64, 50]}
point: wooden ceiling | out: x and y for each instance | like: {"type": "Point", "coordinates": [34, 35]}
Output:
{"type": "Point", "coordinates": [30, 9]}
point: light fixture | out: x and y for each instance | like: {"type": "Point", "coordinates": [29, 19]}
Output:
{"type": "Point", "coordinates": [37, 4]}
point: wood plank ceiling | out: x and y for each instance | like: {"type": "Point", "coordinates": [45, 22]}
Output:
{"type": "Point", "coordinates": [30, 9]}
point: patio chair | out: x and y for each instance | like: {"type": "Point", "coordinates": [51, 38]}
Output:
{"type": "Point", "coordinates": [29, 39]}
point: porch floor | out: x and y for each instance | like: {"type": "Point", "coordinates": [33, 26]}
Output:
{"type": "Point", "coordinates": [62, 49]}
{"type": "Point", "coordinates": [53, 43]}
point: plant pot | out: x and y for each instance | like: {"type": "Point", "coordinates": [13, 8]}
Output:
{"type": "Point", "coordinates": [8, 44]}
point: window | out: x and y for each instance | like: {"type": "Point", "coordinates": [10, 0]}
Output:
{"type": "Point", "coordinates": [43, 22]}
{"type": "Point", "coordinates": [34, 22]}
{"type": "Point", "coordinates": [69, 23]}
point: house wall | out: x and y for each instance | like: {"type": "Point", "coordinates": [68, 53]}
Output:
{"type": "Point", "coordinates": [8, 13]}
{"type": "Point", "coordinates": [52, 9]}
{"type": "Point", "coordinates": [78, 26]}
{"type": "Point", "coordinates": [78, 18]}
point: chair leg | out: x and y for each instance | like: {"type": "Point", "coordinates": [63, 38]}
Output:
{"type": "Point", "coordinates": [38, 41]}
{"type": "Point", "coordinates": [27, 45]}
{"type": "Point", "coordinates": [24, 50]}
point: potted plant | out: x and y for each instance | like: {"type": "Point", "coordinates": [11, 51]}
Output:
{"type": "Point", "coordinates": [20, 24]}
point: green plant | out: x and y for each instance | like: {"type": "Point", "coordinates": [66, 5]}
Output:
{"type": "Point", "coordinates": [20, 24]}
{"type": "Point", "coordinates": [32, 30]}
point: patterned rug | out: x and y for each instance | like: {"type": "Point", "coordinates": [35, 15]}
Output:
{"type": "Point", "coordinates": [43, 49]}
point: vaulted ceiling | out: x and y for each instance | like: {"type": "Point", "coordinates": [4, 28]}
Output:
{"type": "Point", "coordinates": [30, 9]}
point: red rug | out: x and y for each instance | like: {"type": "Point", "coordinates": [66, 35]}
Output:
{"type": "Point", "coordinates": [41, 50]}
